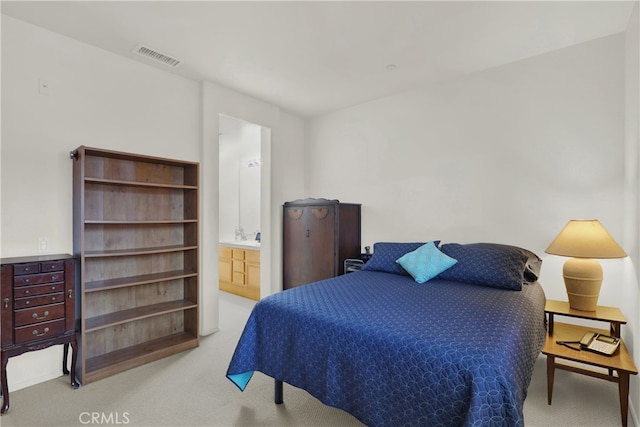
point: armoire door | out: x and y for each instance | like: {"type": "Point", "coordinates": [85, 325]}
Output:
{"type": "Point", "coordinates": [321, 242]}
{"type": "Point", "coordinates": [309, 239]}
{"type": "Point", "coordinates": [295, 253]}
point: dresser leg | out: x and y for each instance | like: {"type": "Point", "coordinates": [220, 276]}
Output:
{"type": "Point", "coordinates": [5, 387]}
{"type": "Point", "coordinates": [74, 357]}
{"type": "Point", "coordinates": [65, 355]}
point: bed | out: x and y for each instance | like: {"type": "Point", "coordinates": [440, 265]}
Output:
{"type": "Point", "coordinates": [456, 349]}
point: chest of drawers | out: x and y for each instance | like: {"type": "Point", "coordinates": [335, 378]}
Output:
{"type": "Point", "coordinates": [37, 297]}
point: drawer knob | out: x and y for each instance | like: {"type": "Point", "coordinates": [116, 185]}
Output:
{"type": "Point", "coordinates": [35, 315]}
{"type": "Point", "coordinates": [35, 332]}
{"type": "Point", "coordinates": [27, 291]}
{"type": "Point", "coordinates": [54, 277]}
{"type": "Point", "coordinates": [26, 280]}
{"type": "Point", "coordinates": [53, 298]}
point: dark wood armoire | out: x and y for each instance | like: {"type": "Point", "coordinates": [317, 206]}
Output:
{"type": "Point", "coordinates": [318, 235]}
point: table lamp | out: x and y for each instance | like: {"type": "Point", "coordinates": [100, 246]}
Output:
{"type": "Point", "coordinates": [584, 240]}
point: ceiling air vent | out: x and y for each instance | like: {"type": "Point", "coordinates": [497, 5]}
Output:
{"type": "Point", "coordinates": [157, 56]}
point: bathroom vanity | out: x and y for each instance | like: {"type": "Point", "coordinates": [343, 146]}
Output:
{"type": "Point", "coordinates": [239, 268]}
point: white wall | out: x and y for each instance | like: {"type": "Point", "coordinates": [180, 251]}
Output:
{"type": "Point", "coordinates": [507, 155]}
{"type": "Point", "coordinates": [631, 241]}
{"type": "Point", "coordinates": [96, 99]}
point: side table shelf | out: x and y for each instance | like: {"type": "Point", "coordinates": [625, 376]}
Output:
{"type": "Point", "coordinates": [616, 368]}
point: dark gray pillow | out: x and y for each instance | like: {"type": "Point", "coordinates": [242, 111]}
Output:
{"type": "Point", "coordinates": [534, 263]}
{"type": "Point", "coordinates": [485, 266]}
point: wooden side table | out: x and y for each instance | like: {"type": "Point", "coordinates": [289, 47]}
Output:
{"type": "Point", "coordinates": [616, 368]}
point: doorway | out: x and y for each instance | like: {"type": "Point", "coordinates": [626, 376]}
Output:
{"type": "Point", "coordinates": [244, 190]}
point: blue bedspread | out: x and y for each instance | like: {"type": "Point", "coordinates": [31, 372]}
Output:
{"type": "Point", "coordinates": [392, 352]}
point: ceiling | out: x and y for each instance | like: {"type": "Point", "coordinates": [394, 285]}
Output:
{"type": "Point", "coordinates": [311, 58]}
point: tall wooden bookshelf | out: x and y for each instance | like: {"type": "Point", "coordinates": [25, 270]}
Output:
{"type": "Point", "coordinates": [136, 235]}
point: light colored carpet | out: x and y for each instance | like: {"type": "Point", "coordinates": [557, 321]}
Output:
{"type": "Point", "coordinates": [190, 389]}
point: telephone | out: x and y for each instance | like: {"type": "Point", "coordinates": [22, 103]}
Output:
{"type": "Point", "coordinates": [599, 343]}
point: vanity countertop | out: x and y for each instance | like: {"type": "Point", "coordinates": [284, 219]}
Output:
{"type": "Point", "coordinates": [242, 244]}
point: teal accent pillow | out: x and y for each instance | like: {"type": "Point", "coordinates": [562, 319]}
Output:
{"type": "Point", "coordinates": [426, 262]}
{"type": "Point", "coordinates": [385, 255]}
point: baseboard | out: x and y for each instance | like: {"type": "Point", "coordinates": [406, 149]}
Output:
{"type": "Point", "coordinates": [209, 332]}
{"type": "Point", "coordinates": [28, 382]}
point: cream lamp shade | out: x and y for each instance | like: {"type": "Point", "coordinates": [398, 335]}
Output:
{"type": "Point", "coordinates": [584, 240]}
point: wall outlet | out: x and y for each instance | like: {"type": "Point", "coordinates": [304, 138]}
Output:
{"type": "Point", "coordinates": [43, 244]}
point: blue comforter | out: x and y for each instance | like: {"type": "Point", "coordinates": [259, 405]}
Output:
{"type": "Point", "coordinates": [392, 352]}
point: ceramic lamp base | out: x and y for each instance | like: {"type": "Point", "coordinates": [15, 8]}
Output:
{"type": "Point", "coordinates": [582, 278]}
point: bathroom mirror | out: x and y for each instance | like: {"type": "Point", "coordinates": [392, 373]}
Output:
{"type": "Point", "coordinates": [240, 165]}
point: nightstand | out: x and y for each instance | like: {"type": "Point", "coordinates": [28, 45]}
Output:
{"type": "Point", "coordinates": [616, 368]}
{"type": "Point", "coordinates": [351, 265]}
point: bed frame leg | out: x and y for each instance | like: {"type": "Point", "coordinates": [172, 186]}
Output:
{"type": "Point", "coordinates": [278, 392]}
